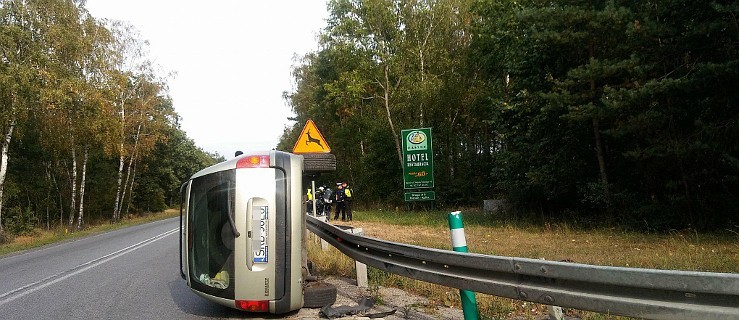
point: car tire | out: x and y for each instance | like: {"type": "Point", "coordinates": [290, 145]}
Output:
{"type": "Point", "coordinates": [318, 295]}
{"type": "Point", "coordinates": [319, 162]}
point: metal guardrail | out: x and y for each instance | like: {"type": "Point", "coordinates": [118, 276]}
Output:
{"type": "Point", "coordinates": [645, 293]}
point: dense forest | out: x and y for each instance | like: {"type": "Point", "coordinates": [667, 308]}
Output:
{"type": "Point", "coordinates": [89, 132]}
{"type": "Point", "coordinates": [617, 112]}
{"type": "Point", "coordinates": [620, 112]}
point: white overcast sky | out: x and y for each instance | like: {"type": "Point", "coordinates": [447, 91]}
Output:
{"type": "Point", "coordinates": [232, 61]}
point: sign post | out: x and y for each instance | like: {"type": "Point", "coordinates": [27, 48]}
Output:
{"type": "Point", "coordinates": [418, 164]}
{"type": "Point", "coordinates": [317, 158]}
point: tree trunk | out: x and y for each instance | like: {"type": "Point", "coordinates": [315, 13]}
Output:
{"type": "Point", "coordinates": [121, 161]}
{"type": "Point", "coordinates": [423, 89]}
{"type": "Point", "coordinates": [80, 217]}
{"type": "Point", "coordinates": [601, 161]}
{"type": "Point", "coordinates": [596, 134]}
{"type": "Point", "coordinates": [396, 137]}
{"type": "Point", "coordinates": [61, 200]}
{"type": "Point", "coordinates": [422, 67]}
{"type": "Point", "coordinates": [128, 171]}
{"type": "Point", "coordinates": [48, 194]}
{"type": "Point", "coordinates": [116, 205]}
{"type": "Point", "coordinates": [130, 188]}
{"type": "Point", "coordinates": [73, 205]}
{"type": "Point", "coordinates": [4, 166]}
{"type": "Point", "coordinates": [124, 190]}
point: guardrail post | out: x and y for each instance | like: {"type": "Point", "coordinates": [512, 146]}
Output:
{"type": "Point", "coordinates": [324, 244]}
{"type": "Point", "coordinates": [459, 244]}
{"type": "Point", "coordinates": [361, 268]}
{"type": "Point", "coordinates": [555, 313]}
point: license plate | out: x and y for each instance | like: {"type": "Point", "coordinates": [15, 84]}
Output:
{"type": "Point", "coordinates": [261, 234]}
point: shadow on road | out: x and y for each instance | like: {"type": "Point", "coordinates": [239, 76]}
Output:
{"type": "Point", "coordinates": [190, 303]}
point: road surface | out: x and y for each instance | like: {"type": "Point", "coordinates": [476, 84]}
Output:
{"type": "Point", "coordinates": [130, 273]}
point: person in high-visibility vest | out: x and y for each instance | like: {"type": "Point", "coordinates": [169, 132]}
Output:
{"type": "Point", "coordinates": [309, 202]}
{"type": "Point", "coordinates": [348, 199]}
{"type": "Point", "coordinates": [339, 197]}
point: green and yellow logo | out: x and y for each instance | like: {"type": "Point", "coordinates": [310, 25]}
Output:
{"type": "Point", "coordinates": [416, 141]}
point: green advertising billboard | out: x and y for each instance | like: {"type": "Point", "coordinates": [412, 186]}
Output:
{"type": "Point", "coordinates": [418, 158]}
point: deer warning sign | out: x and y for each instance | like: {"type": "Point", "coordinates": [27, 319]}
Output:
{"type": "Point", "coordinates": [311, 140]}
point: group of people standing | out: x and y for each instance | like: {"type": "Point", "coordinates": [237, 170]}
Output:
{"type": "Point", "coordinates": [325, 196]}
{"type": "Point", "coordinates": [343, 200]}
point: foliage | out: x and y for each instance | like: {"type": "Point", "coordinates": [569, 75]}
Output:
{"type": "Point", "coordinates": [5, 237]}
{"type": "Point", "coordinates": [79, 105]}
{"type": "Point", "coordinates": [630, 82]}
{"type": "Point", "coordinates": [170, 164]}
{"type": "Point", "coordinates": [615, 111]}
{"type": "Point", "coordinates": [387, 65]}
{"type": "Point", "coordinates": [20, 222]}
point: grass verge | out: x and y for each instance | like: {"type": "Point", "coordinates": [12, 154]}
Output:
{"type": "Point", "coordinates": [679, 250]}
{"type": "Point", "coordinates": [43, 237]}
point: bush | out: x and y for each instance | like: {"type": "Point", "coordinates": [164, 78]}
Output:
{"type": "Point", "coordinates": [20, 222]}
{"type": "Point", "coordinates": [5, 237]}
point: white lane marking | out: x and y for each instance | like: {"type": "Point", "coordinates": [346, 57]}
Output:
{"type": "Point", "coordinates": [32, 287]}
{"type": "Point", "coordinates": [55, 245]}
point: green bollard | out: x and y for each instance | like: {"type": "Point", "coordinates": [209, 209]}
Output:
{"type": "Point", "coordinates": [459, 244]}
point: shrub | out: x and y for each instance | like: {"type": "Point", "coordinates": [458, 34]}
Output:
{"type": "Point", "coordinates": [5, 237]}
{"type": "Point", "coordinates": [20, 222]}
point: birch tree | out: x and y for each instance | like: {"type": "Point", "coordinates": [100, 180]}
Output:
{"type": "Point", "coordinates": [73, 98]}
{"type": "Point", "coordinates": [97, 105]}
{"type": "Point", "coordinates": [131, 64]}
{"type": "Point", "coordinates": [68, 93]}
{"type": "Point", "coordinates": [19, 49]}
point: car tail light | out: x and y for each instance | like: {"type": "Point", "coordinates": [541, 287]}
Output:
{"type": "Point", "coordinates": [253, 305]}
{"type": "Point", "coordinates": [253, 162]}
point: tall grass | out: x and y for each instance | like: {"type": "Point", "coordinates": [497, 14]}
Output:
{"type": "Point", "coordinates": [486, 234]}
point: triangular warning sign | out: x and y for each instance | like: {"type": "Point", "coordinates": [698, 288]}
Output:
{"type": "Point", "coordinates": [311, 140]}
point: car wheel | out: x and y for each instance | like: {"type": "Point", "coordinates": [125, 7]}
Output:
{"type": "Point", "coordinates": [318, 295]}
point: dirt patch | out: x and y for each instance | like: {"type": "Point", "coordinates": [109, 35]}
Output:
{"type": "Point", "coordinates": [407, 306]}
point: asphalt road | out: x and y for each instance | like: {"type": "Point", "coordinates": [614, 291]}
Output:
{"type": "Point", "coordinates": [130, 273]}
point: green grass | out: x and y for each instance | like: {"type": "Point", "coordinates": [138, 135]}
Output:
{"type": "Point", "coordinates": [42, 237]}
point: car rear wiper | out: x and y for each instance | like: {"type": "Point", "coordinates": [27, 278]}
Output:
{"type": "Point", "coordinates": [233, 226]}
{"type": "Point", "coordinates": [228, 214]}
